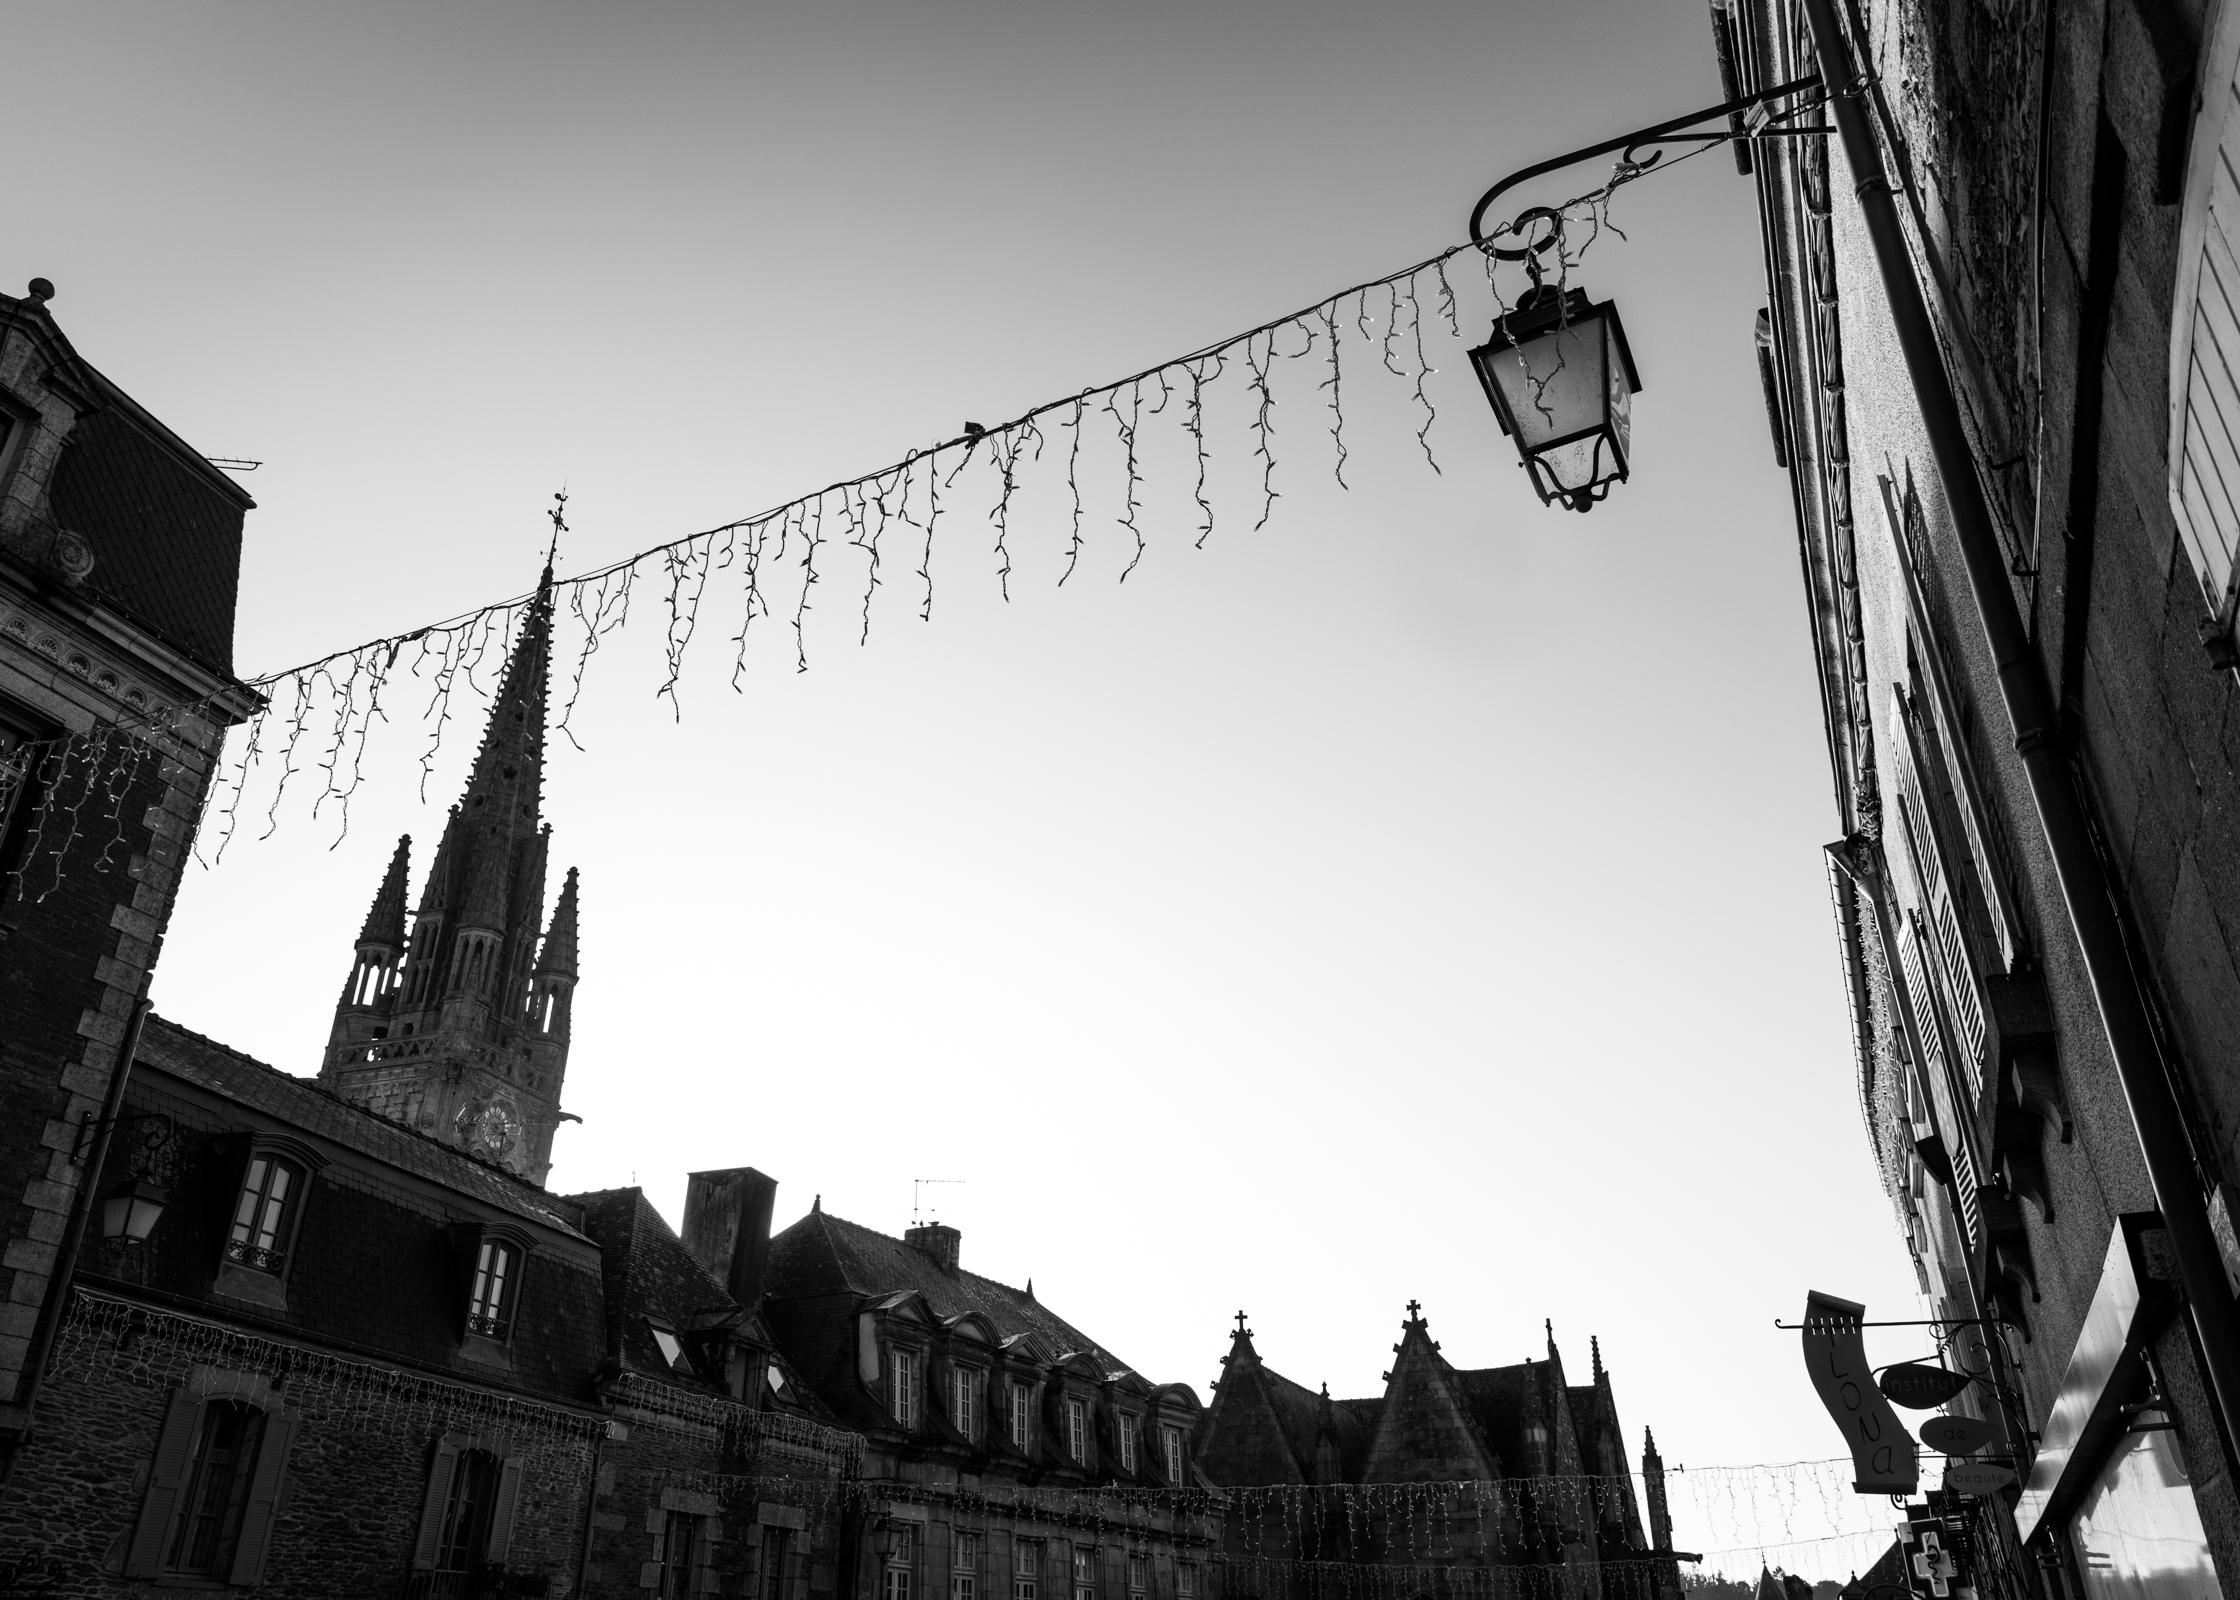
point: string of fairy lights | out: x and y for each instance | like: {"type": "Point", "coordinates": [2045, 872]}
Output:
{"type": "Point", "coordinates": [318, 725]}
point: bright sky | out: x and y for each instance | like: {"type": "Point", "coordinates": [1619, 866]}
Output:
{"type": "Point", "coordinates": [1420, 896]}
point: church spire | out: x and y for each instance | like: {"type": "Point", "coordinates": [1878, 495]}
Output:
{"type": "Point", "coordinates": [472, 1045]}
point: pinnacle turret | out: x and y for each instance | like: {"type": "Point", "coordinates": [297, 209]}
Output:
{"type": "Point", "coordinates": [558, 958]}
{"type": "Point", "coordinates": [385, 921]}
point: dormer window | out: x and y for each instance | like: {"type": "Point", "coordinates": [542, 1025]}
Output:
{"type": "Point", "coordinates": [264, 1216]}
{"type": "Point", "coordinates": [902, 1386]}
{"type": "Point", "coordinates": [666, 1341]}
{"type": "Point", "coordinates": [491, 1260]}
{"type": "Point", "coordinates": [1022, 1416]}
{"type": "Point", "coordinates": [1077, 1431]}
{"type": "Point", "coordinates": [964, 1400]}
{"type": "Point", "coordinates": [1170, 1443]}
{"type": "Point", "coordinates": [1126, 1430]}
{"type": "Point", "coordinates": [497, 1269]}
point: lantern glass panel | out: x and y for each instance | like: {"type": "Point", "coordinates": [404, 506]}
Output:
{"type": "Point", "coordinates": [1556, 382]}
{"type": "Point", "coordinates": [131, 1212]}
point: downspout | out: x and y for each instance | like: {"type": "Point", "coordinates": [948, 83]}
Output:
{"type": "Point", "coordinates": [2086, 889]}
{"type": "Point", "coordinates": [73, 1236]}
{"type": "Point", "coordinates": [590, 1509]}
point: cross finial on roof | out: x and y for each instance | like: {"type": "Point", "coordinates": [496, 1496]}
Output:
{"type": "Point", "coordinates": [1243, 1332]}
{"type": "Point", "coordinates": [559, 516]}
{"type": "Point", "coordinates": [1414, 1306]}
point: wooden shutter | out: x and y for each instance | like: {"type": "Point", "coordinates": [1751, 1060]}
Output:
{"type": "Point", "coordinates": [427, 1546]}
{"type": "Point", "coordinates": [2205, 330]}
{"type": "Point", "coordinates": [167, 1482]}
{"type": "Point", "coordinates": [502, 1509]}
{"type": "Point", "coordinates": [264, 1496]}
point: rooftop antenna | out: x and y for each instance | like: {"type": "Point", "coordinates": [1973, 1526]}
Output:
{"type": "Point", "coordinates": [917, 1196]}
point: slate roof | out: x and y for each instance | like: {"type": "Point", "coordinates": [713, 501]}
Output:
{"type": "Point", "coordinates": [302, 1104]}
{"type": "Point", "coordinates": [824, 1255]}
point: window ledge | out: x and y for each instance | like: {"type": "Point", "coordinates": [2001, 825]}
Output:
{"type": "Point", "coordinates": [485, 1351]}
{"type": "Point", "coordinates": [236, 1282]}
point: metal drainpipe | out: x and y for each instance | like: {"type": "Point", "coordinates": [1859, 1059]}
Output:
{"type": "Point", "coordinates": [73, 1235]}
{"type": "Point", "coordinates": [2086, 889]}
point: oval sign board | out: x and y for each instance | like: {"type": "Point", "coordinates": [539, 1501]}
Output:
{"type": "Point", "coordinates": [1955, 1436]}
{"type": "Point", "coordinates": [1976, 1477]}
{"type": "Point", "coordinates": [1920, 1387]}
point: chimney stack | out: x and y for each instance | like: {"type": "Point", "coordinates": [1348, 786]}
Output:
{"type": "Point", "coordinates": [727, 1227]}
{"type": "Point", "coordinates": [938, 1240]}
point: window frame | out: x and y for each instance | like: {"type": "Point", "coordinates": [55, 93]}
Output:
{"type": "Point", "coordinates": [176, 1474]}
{"type": "Point", "coordinates": [968, 1387]}
{"type": "Point", "coordinates": [676, 1573]}
{"type": "Point", "coordinates": [469, 1239]}
{"type": "Point", "coordinates": [1076, 1414]}
{"type": "Point", "coordinates": [495, 1537]}
{"type": "Point", "coordinates": [905, 1386]}
{"type": "Point", "coordinates": [1084, 1572]}
{"type": "Point", "coordinates": [964, 1564]}
{"type": "Point", "coordinates": [1019, 1415]}
{"type": "Point", "coordinates": [500, 1252]}
{"type": "Point", "coordinates": [1026, 1568]}
{"type": "Point", "coordinates": [1171, 1453]}
{"type": "Point", "coordinates": [1127, 1439]}
{"type": "Point", "coordinates": [770, 1575]}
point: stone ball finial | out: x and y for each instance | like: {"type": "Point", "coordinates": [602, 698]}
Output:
{"type": "Point", "coordinates": [40, 289]}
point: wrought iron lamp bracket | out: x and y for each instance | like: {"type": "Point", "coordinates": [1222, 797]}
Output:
{"type": "Point", "coordinates": [152, 1140]}
{"type": "Point", "coordinates": [1642, 149]}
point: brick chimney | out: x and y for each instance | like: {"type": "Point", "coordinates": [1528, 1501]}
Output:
{"type": "Point", "coordinates": [938, 1240]}
{"type": "Point", "coordinates": [727, 1227]}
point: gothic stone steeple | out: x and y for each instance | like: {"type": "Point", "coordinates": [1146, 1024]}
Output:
{"type": "Point", "coordinates": [461, 1030]}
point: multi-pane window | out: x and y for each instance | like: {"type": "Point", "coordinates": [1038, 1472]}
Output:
{"type": "Point", "coordinates": [964, 1399]}
{"type": "Point", "coordinates": [1170, 1443]}
{"type": "Point", "coordinates": [217, 1490]}
{"type": "Point", "coordinates": [466, 1512]}
{"type": "Point", "coordinates": [19, 755]}
{"type": "Point", "coordinates": [1186, 1580]}
{"type": "Point", "coordinates": [902, 1553]}
{"type": "Point", "coordinates": [1084, 1572]}
{"type": "Point", "coordinates": [777, 1545]}
{"type": "Point", "coordinates": [1126, 1429]}
{"type": "Point", "coordinates": [490, 1304]}
{"type": "Point", "coordinates": [1077, 1430]}
{"type": "Point", "coordinates": [680, 1538]}
{"type": "Point", "coordinates": [1026, 1569]}
{"type": "Point", "coordinates": [260, 1219]}
{"type": "Point", "coordinates": [964, 1566]}
{"type": "Point", "coordinates": [902, 1386]}
{"type": "Point", "coordinates": [1022, 1415]}
{"type": "Point", "coordinates": [1139, 1572]}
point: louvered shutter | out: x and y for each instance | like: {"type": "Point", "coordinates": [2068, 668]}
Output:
{"type": "Point", "coordinates": [502, 1509]}
{"type": "Point", "coordinates": [264, 1496]}
{"type": "Point", "coordinates": [428, 1545]}
{"type": "Point", "coordinates": [2205, 330]}
{"type": "Point", "coordinates": [167, 1482]}
{"type": "Point", "coordinates": [1963, 999]}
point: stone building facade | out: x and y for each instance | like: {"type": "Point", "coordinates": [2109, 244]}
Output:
{"type": "Point", "coordinates": [1453, 1482]}
{"type": "Point", "coordinates": [1005, 1451]}
{"type": "Point", "coordinates": [120, 554]}
{"type": "Point", "coordinates": [2063, 181]}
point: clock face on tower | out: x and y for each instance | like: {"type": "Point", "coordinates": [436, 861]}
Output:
{"type": "Point", "coordinates": [489, 1128]}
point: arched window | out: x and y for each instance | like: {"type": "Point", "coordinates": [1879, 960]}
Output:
{"type": "Point", "coordinates": [467, 1510]}
{"type": "Point", "coordinates": [213, 1485]}
{"type": "Point", "coordinates": [265, 1214]}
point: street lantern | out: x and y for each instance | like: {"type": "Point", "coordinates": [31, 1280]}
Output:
{"type": "Point", "coordinates": [1561, 380]}
{"type": "Point", "coordinates": [130, 1211]}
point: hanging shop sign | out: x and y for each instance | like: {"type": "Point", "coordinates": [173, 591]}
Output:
{"type": "Point", "coordinates": [1955, 1436]}
{"type": "Point", "coordinates": [1918, 1386]}
{"type": "Point", "coordinates": [1835, 1354]}
{"type": "Point", "coordinates": [1931, 1566]}
{"type": "Point", "coordinates": [1977, 1477]}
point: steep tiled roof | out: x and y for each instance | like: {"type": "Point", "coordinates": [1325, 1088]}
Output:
{"type": "Point", "coordinates": [302, 1104]}
{"type": "Point", "coordinates": [824, 1255]}
{"type": "Point", "coordinates": [648, 1273]}
{"type": "Point", "coordinates": [164, 525]}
